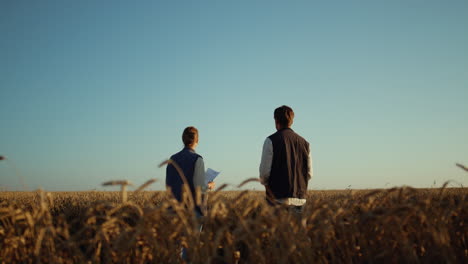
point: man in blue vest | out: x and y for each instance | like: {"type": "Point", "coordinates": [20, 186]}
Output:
{"type": "Point", "coordinates": [192, 168]}
{"type": "Point", "coordinates": [286, 165]}
{"type": "Point", "coordinates": [191, 165]}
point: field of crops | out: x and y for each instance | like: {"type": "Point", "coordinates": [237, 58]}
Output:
{"type": "Point", "coordinates": [400, 225]}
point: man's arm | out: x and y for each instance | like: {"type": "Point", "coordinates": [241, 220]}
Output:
{"type": "Point", "coordinates": [267, 159]}
{"type": "Point", "coordinates": [199, 174]}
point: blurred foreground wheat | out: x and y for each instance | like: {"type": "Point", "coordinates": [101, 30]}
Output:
{"type": "Point", "coordinates": [400, 225]}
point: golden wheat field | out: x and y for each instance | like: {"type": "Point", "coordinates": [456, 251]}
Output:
{"type": "Point", "coordinates": [399, 225]}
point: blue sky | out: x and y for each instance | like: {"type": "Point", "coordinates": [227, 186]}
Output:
{"type": "Point", "coordinates": [99, 90]}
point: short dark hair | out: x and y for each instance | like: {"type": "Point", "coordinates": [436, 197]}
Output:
{"type": "Point", "coordinates": [190, 136]}
{"type": "Point", "coordinates": [284, 115]}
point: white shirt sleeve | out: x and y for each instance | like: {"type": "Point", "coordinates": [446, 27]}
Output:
{"type": "Point", "coordinates": [309, 165]}
{"type": "Point", "coordinates": [199, 174]}
{"type": "Point", "coordinates": [267, 159]}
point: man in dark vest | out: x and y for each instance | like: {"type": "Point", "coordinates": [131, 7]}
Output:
{"type": "Point", "coordinates": [191, 165]}
{"type": "Point", "coordinates": [286, 165]}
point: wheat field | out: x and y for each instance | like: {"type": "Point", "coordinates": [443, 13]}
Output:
{"type": "Point", "coordinates": [399, 225]}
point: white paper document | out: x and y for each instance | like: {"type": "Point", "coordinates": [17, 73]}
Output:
{"type": "Point", "coordinates": [210, 175]}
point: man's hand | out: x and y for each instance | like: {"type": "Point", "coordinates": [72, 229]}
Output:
{"type": "Point", "coordinates": [211, 185]}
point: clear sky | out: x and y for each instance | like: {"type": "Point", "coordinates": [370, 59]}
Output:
{"type": "Point", "coordinates": [92, 91]}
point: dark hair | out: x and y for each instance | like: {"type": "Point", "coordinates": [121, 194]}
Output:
{"type": "Point", "coordinates": [284, 115]}
{"type": "Point", "coordinates": [190, 136]}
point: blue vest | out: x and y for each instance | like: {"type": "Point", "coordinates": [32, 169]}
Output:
{"type": "Point", "coordinates": [186, 159]}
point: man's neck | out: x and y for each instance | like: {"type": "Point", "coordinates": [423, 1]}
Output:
{"type": "Point", "coordinates": [191, 148]}
{"type": "Point", "coordinates": [281, 128]}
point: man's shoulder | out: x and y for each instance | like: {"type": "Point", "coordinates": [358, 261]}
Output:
{"type": "Point", "coordinates": [294, 134]}
{"type": "Point", "coordinates": [302, 138]}
{"type": "Point", "coordinates": [174, 156]}
{"type": "Point", "coordinates": [196, 155]}
{"type": "Point", "coordinates": [177, 154]}
{"type": "Point", "coordinates": [276, 134]}
{"type": "Point", "coordinates": [185, 153]}
{"type": "Point", "coordinates": [286, 133]}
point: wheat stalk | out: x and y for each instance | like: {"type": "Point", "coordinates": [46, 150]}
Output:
{"type": "Point", "coordinates": [461, 166]}
{"type": "Point", "coordinates": [123, 187]}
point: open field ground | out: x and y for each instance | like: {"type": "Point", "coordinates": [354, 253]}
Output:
{"type": "Point", "coordinates": [400, 225]}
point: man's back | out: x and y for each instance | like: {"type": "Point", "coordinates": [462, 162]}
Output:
{"type": "Point", "coordinates": [186, 160]}
{"type": "Point", "coordinates": [290, 168]}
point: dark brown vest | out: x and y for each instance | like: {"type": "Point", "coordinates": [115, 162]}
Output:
{"type": "Point", "coordinates": [289, 169]}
